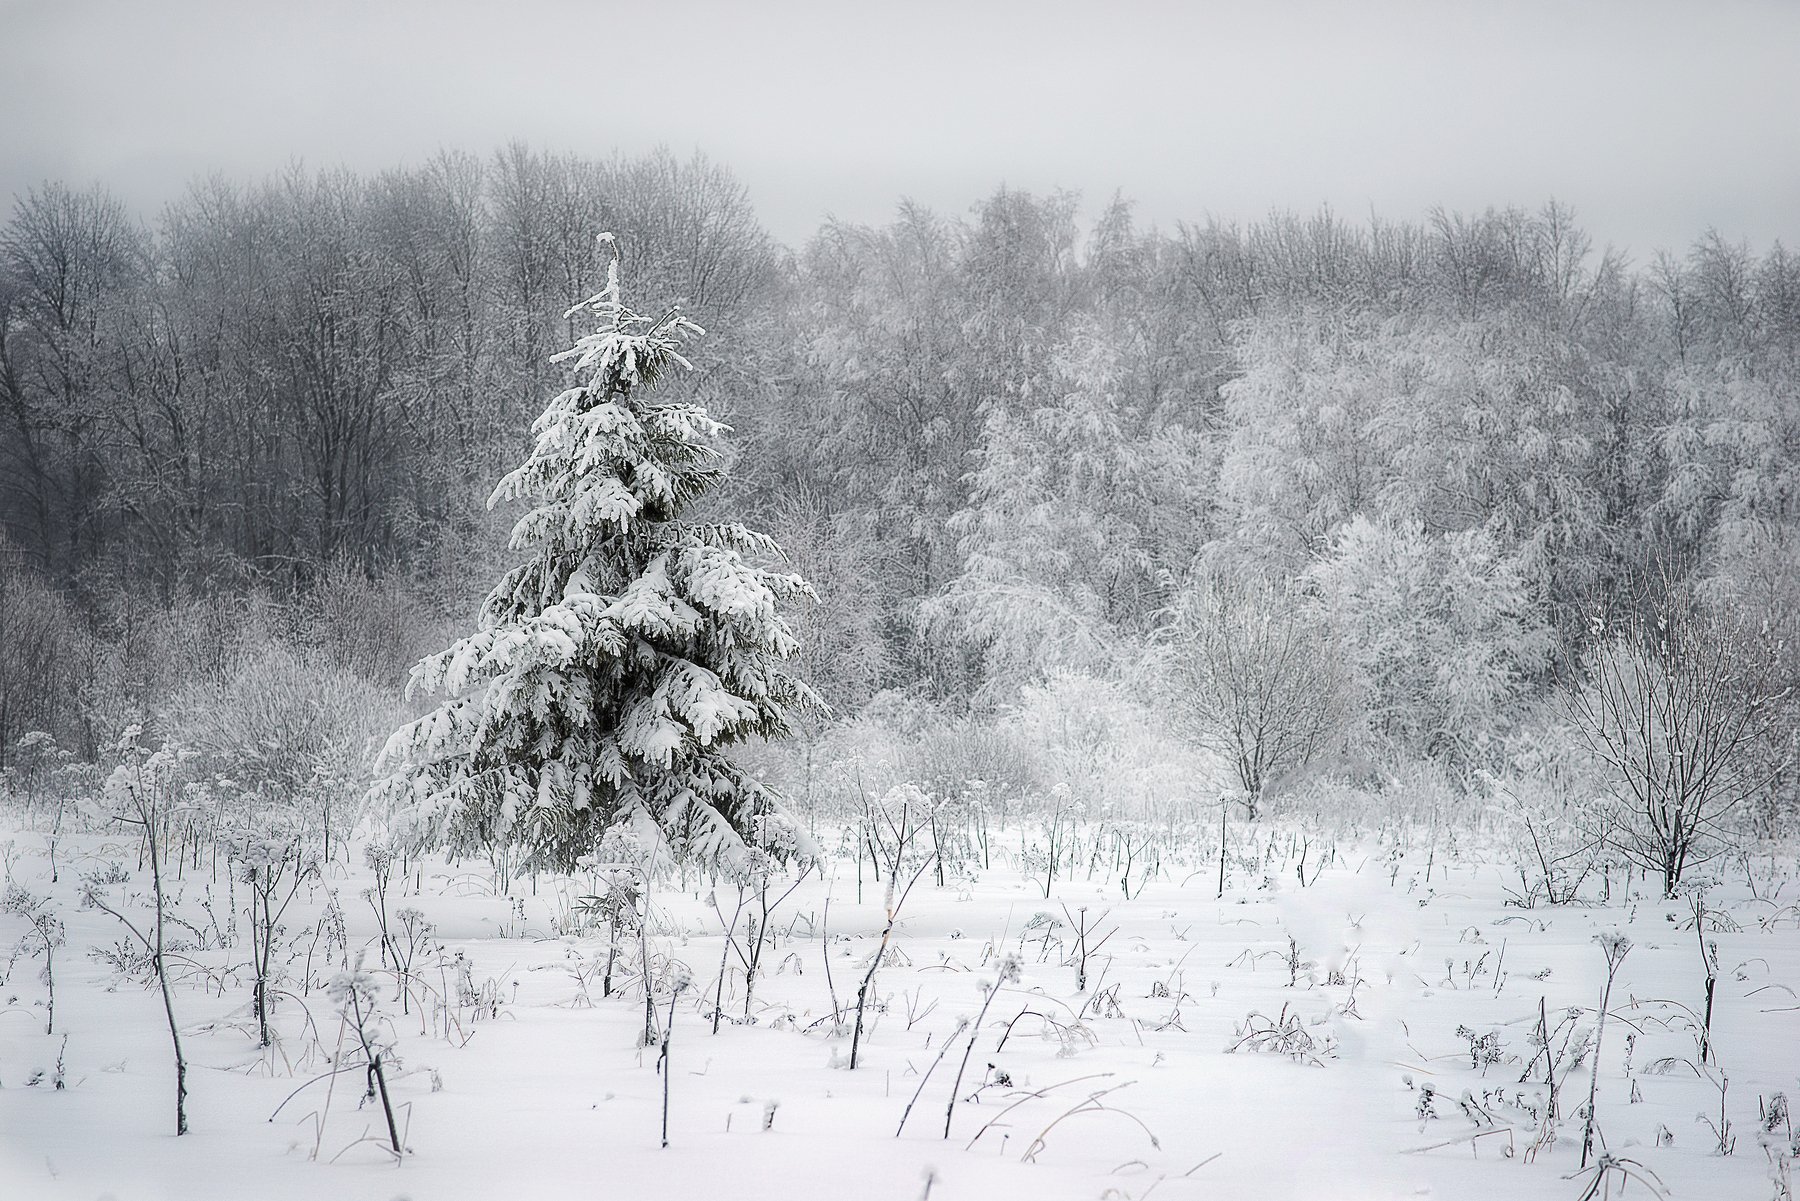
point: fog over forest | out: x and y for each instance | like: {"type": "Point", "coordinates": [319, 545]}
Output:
{"type": "Point", "coordinates": [1002, 444]}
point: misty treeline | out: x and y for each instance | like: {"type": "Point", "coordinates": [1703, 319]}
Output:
{"type": "Point", "coordinates": [1366, 493]}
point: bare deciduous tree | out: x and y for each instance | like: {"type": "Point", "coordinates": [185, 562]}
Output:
{"type": "Point", "coordinates": [1256, 680]}
{"type": "Point", "coordinates": [1674, 706]}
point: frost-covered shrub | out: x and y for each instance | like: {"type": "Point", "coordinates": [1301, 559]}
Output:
{"type": "Point", "coordinates": [155, 652]}
{"type": "Point", "coordinates": [372, 628]}
{"type": "Point", "coordinates": [1413, 795]}
{"type": "Point", "coordinates": [287, 722]}
{"type": "Point", "coordinates": [1253, 676]}
{"type": "Point", "coordinates": [38, 770]}
{"type": "Point", "coordinates": [1545, 812]}
{"type": "Point", "coordinates": [898, 739]}
{"type": "Point", "coordinates": [43, 645]}
{"type": "Point", "coordinates": [1111, 747]}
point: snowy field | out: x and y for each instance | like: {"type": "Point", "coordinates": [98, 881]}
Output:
{"type": "Point", "coordinates": [1365, 1025]}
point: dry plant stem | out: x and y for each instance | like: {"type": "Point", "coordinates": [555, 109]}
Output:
{"type": "Point", "coordinates": [955, 1089]}
{"type": "Point", "coordinates": [1032, 1095]}
{"type": "Point", "coordinates": [332, 1075]}
{"type": "Point", "coordinates": [1616, 949]}
{"type": "Point", "coordinates": [725, 953]}
{"type": "Point", "coordinates": [825, 954]}
{"type": "Point", "coordinates": [1600, 1185]}
{"type": "Point", "coordinates": [1710, 964]}
{"type": "Point", "coordinates": [46, 929]}
{"type": "Point", "coordinates": [1721, 1129]}
{"type": "Point", "coordinates": [262, 935]}
{"type": "Point", "coordinates": [895, 900]}
{"type": "Point", "coordinates": [662, 1063]}
{"type": "Point", "coordinates": [1083, 929]}
{"type": "Point", "coordinates": [1023, 1013]}
{"type": "Point", "coordinates": [900, 834]}
{"type": "Point", "coordinates": [761, 936]}
{"type": "Point", "coordinates": [162, 976]}
{"type": "Point", "coordinates": [644, 963]}
{"type": "Point", "coordinates": [1548, 1055]}
{"type": "Point", "coordinates": [1222, 808]}
{"type": "Point", "coordinates": [146, 813]}
{"type": "Point", "coordinates": [387, 1107]}
{"type": "Point", "coordinates": [50, 982]}
{"type": "Point", "coordinates": [330, 1091]}
{"type": "Point", "coordinates": [1472, 1139]}
{"type": "Point", "coordinates": [1089, 1104]}
{"type": "Point", "coordinates": [923, 1080]}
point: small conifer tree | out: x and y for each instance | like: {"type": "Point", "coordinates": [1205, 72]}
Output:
{"type": "Point", "coordinates": [611, 669]}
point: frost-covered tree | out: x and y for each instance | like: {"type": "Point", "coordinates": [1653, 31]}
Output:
{"type": "Point", "coordinates": [1456, 426]}
{"type": "Point", "coordinates": [1439, 633]}
{"type": "Point", "coordinates": [1074, 505]}
{"type": "Point", "coordinates": [612, 670]}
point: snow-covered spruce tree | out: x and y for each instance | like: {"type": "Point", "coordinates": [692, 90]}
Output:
{"type": "Point", "coordinates": [614, 667]}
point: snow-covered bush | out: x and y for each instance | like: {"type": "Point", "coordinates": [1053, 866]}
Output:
{"type": "Point", "coordinates": [290, 733]}
{"type": "Point", "coordinates": [155, 654]}
{"type": "Point", "coordinates": [899, 739]}
{"type": "Point", "coordinates": [1440, 633]}
{"type": "Point", "coordinates": [43, 646]}
{"type": "Point", "coordinates": [1111, 743]}
{"type": "Point", "coordinates": [1546, 812]}
{"type": "Point", "coordinates": [39, 769]}
{"type": "Point", "coordinates": [374, 629]}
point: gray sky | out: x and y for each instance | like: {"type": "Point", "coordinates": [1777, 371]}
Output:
{"type": "Point", "coordinates": [1653, 119]}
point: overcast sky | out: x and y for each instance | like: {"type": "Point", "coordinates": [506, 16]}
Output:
{"type": "Point", "coordinates": [1655, 120]}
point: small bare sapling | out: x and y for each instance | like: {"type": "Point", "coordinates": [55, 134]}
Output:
{"type": "Point", "coordinates": [896, 823]}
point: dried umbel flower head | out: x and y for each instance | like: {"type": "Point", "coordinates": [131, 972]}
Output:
{"type": "Point", "coordinates": [354, 990]}
{"type": "Point", "coordinates": [19, 902]}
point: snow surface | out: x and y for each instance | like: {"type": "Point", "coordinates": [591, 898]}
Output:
{"type": "Point", "coordinates": [547, 1095]}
